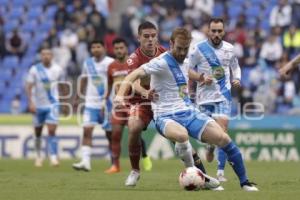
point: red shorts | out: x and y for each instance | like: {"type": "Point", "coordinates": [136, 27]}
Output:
{"type": "Point", "coordinates": [142, 111]}
{"type": "Point", "coordinates": [120, 116]}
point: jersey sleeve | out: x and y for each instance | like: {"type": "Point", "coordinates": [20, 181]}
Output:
{"type": "Point", "coordinates": [153, 67]}
{"type": "Point", "coordinates": [31, 77]}
{"type": "Point", "coordinates": [235, 68]}
{"type": "Point", "coordinates": [194, 59]}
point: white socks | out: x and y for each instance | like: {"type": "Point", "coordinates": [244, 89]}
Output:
{"type": "Point", "coordinates": [184, 151]}
{"type": "Point", "coordinates": [86, 154]}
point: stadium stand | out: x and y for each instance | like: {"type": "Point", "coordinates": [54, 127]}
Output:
{"type": "Point", "coordinates": [69, 26]}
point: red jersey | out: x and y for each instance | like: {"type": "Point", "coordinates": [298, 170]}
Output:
{"type": "Point", "coordinates": [116, 73]}
{"type": "Point", "coordinates": [135, 60]}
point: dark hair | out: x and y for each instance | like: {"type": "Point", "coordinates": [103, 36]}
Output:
{"type": "Point", "coordinates": [45, 47]}
{"type": "Point", "coordinates": [183, 32]}
{"type": "Point", "coordinates": [119, 40]}
{"type": "Point", "coordinates": [146, 25]}
{"type": "Point", "coordinates": [97, 42]}
{"type": "Point", "coordinates": [215, 20]}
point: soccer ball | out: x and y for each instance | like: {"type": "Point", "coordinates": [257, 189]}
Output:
{"type": "Point", "coordinates": [191, 178]}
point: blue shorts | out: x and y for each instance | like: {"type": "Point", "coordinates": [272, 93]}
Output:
{"type": "Point", "coordinates": [193, 120]}
{"type": "Point", "coordinates": [217, 109]}
{"type": "Point", "coordinates": [92, 116]}
{"type": "Point", "coordinates": [48, 115]}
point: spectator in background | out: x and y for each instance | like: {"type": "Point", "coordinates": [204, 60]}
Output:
{"type": "Point", "coordinates": [291, 40]}
{"type": "Point", "coordinates": [69, 39]}
{"type": "Point", "coordinates": [126, 32]}
{"type": "Point", "coordinates": [81, 50]}
{"type": "Point", "coordinates": [103, 7]}
{"type": "Point", "coordinates": [198, 10]}
{"type": "Point", "coordinates": [251, 53]}
{"type": "Point", "coordinates": [52, 38]}
{"type": "Point", "coordinates": [16, 105]}
{"type": "Point", "coordinates": [271, 50]}
{"type": "Point", "coordinates": [15, 45]}
{"type": "Point", "coordinates": [167, 25]}
{"type": "Point", "coordinates": [296, 13]}
{"type": "Point", "coordinates": [98, 22]}
{"type": "Point", "coordinates": [108, 41]}
{"type": "Point", "coordinates": [281, 15]}
{"type": "Point", "coordinates": [61, 55]}
{"type": "Point", "coordinates": [61, 16]}
{"type": "Point", "coordinates": [90, 33]}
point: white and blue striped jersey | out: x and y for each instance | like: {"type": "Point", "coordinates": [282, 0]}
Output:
{"type": "Point", "coordinates": [96, 72]}
{"type": "Point", "coordinates": [220, 63]}
{"type": "Point", "coordinates": [41, 90]}
{"type": "Point", "coordinates": [162, 80]}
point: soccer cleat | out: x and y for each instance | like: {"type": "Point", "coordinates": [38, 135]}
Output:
{"type": "Point", "coordinates": [219, 188]}
{"type": "Point", "coordinates": [82, 166]}
{"type": "Point", "coordinates": [211, 183]}
{"type": "Point", "coordinates": [38, 162]}
{"type": "Point", "coordinates": [147, 163]}
{"type": "Point", "coordinates": [54, 161]}
{"type": "Point", "coordinates": [210, 149]}
{"type": "Point", "coordinates": [113, 169]}
{"type": "Point", "coordinates": [221, 178]}
{"type": "Point", "coordinates": [132, 178]}
{"type": "Point", "coordinates": [249, 186]}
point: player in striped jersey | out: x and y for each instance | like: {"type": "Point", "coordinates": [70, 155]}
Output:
{"type": "Point", "coordinates": [215, 58]}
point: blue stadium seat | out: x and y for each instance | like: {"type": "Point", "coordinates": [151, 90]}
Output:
{"type": "Point", "coordinates": [46, 26]}
{"type": "Point", "coordinates": [246, 74]}
{"type": "Point", "coordinates": [234, 11]}
{"type": "Point", "coordinates": [10, 26]}
{"type": "Point", "coordinates": [10, 62]}
{"type": "Point", "coordinates": [253, 11]}
{"type": "Point", "coordinates": [34, 13]}
{"type": "Point", "coordinates": [29, 26]}
{"type": "Point", "coordinates": [237, 2]}
{"type": "Point", "coordinates": [50, 12]}
{"type": "Point", "coordinates": [35, 3]}
{"type": "Point", "coordinates": [16, 13]}
{"type": "Point", "coordinates": [26, 62]}
{"type": "Point", "coordinates": [256, 2]}
{"type": "Point", "coordinates": [265, 25]}
{"type": "Point", "coordinates": [4, 2]}
{"type": "Point", "coordinates": [218, 10]}
{"type": "Point", "coordinates": [19, 3]}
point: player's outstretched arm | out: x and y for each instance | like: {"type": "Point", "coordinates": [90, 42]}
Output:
{"type": "Point", "coordinates": [201, 78]}
{"type": "Point", "coordinates": [28, 89]}
{"type": "Point", "coordinates": [289, 67]}
{"type": "Point", "coordinates": [128, 82]}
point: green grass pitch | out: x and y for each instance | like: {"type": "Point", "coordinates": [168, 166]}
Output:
{"type": "Point", "coordinates": [20, 180]}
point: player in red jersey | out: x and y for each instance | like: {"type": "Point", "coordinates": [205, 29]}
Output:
{"type": "Point", "coordinates": [117, 71]}
{"type": "Point", "coordinates": [140, 113]}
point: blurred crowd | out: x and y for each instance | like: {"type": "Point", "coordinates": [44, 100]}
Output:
{"type": "Point", "coordinates": [265, 34]}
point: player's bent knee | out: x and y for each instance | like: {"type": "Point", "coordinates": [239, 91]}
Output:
{"type": "Point", "coordinates": [223, 140]}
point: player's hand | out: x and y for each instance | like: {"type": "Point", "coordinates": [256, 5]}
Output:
{"type": "Point", "coordinates": [151, 95]}
{"type": "Point", "coordinates": [119, 102]}
{"type": "Point", "coordinates": [285, 71]}
{"type": "Point", "coordinates": [236, 84]}
{"type": "Point", "coordinates": [32, 108]}
{"type": "Point", "coordinates": [205, 80]}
